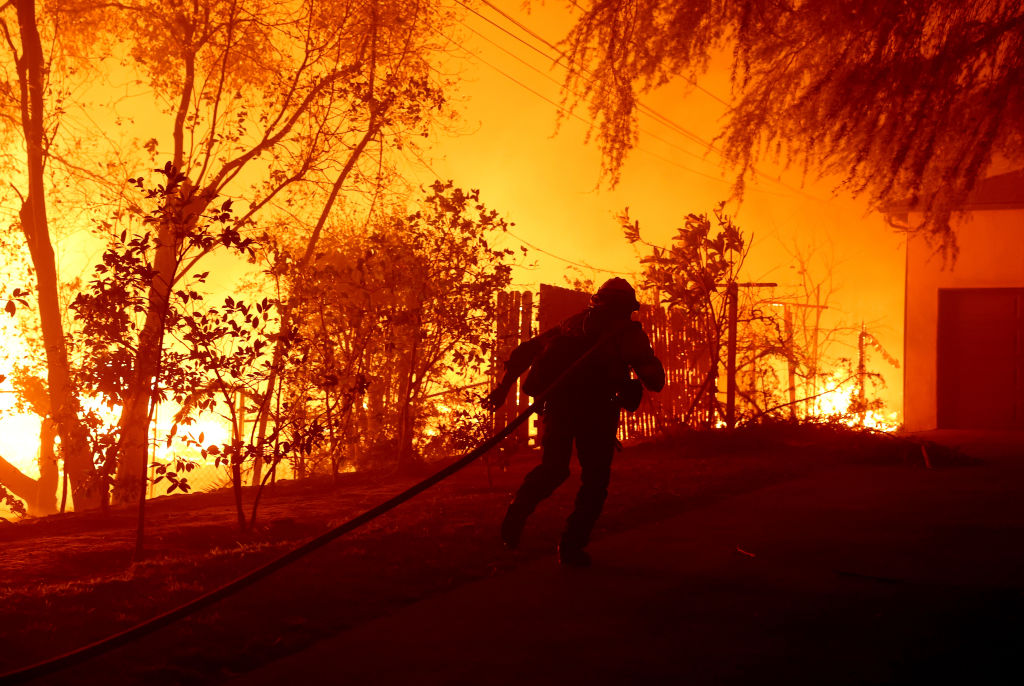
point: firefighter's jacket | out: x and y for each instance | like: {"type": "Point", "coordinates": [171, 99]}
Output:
{"type": "Point", "coordinates": [603, 374]}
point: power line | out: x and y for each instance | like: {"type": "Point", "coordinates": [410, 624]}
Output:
{"type": "Point", "coordinates": [556, 82]}
{"type": "Point", "coordinates": [554, 47]}
{"type": "Point", "coordinates": [557, 58]}
{"type": "Point", "coordinates": [646, 109]}
{"type": "Point", "coordinates": [582, 265]}
{"type": "Point", "coordinates": [667, 160]}
{"type": "Point", "coordinates": [566, 111]}
{"type": "Point", "coordinates": [562, 109]}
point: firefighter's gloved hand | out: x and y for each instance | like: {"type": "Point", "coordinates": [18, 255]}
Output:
{"type": "Point", "coordinates": [496, 398]}
{"type": "Point", "coordinates": [630, 395]}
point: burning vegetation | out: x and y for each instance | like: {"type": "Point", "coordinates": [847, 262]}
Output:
{"type": "Point", "coordinates": [764, 350]}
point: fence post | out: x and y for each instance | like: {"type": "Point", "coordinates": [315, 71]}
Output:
{"type": "Point", "coordinates": [732, 295]}
{"type": "Point", "coordinates": [522, 435]}
{"type": "Point", "coordinates": [790, 361]}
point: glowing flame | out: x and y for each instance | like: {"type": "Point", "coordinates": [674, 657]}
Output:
{"type": "Point", "coordinates": [19, 442]}
{"type": "Point", "coordinates": [839, 403]}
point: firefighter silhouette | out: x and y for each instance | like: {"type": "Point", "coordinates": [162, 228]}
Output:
{"type": "Point", "coordinates": [604, 343]}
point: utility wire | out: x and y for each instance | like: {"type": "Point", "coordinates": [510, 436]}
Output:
{"type": "Point", "coordinates": [567, 112]}
{"type": "Point", "coordinates": [548, 76]}
{"type": "Point", "coordinates": [556, 58]}
{"type": "Point", "coordinates": [581, 265]}
{"type": "Point", "coordinates": [646, 109]}
{"type": "Point", "coordinates": [575, 4]}
{"type": "Point", "coordinates": [667, 160]}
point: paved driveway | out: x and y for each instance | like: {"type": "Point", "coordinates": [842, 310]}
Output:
{"type": "Point", "coordinates": [864, 574]}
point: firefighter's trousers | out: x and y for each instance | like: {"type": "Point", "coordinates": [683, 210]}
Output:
{"type": "Point", "coordinates": [592, 428]}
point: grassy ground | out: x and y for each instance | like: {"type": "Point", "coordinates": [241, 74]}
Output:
{"type": "Point", "coordinates": [68, 580]}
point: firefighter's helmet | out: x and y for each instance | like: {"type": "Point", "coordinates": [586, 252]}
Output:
{"type": "Point", "coordinates": [616, 292]}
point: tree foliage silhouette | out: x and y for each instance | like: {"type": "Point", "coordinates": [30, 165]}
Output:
{"type": "Point", "coordinates": [900, 98]}
{"type": "Point", "coordinates": [285, 107]}
{"type": "Point", "coordinates": [395, 320]}
{"type": "Point", "coordinates": [691, 275]}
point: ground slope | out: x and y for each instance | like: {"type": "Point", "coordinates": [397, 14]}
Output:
{"type": "Point", "coordinates": [67, 580]}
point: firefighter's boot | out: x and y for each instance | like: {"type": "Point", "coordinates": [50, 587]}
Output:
{"type": "Point", "coordinates": [571, 556]}
{"type": "Point", "coordinates": [512, 526]}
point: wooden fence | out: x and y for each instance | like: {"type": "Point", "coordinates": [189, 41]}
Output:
{"type": "Point", "coordinates": [686, 368]}
{"type": "Point", "coordinates": [686, 363]}
{"type": "Point", "coordinates": [514, 325]}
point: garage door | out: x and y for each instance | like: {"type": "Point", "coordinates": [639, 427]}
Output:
{"type": "Point", "coordinates": [980, 358]}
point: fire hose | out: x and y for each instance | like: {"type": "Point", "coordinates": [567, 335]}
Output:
{"type": "Point", "coordinates": [138, 631]}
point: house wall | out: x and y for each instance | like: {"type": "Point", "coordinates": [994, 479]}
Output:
{"type": "Point", "coordinates": [991, 256]}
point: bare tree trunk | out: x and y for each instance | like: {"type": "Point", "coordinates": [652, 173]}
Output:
{"type": "Point", "coordinates": [49, 474]}
{"type": "Point", "coordinates": [16, 481]}
{"type": "Point", "coordinates": [288, 306]}
{"type": "Point", "coordinates": [407, 391]}
{"type": "Point", "coordinates": [236, 482]}
{"type": "Point", "coordinates": [85, 487]}
{"type": "Point", "coordinates": [40, 495]}
{"type": "Point", "coordinates": [135, 416]}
